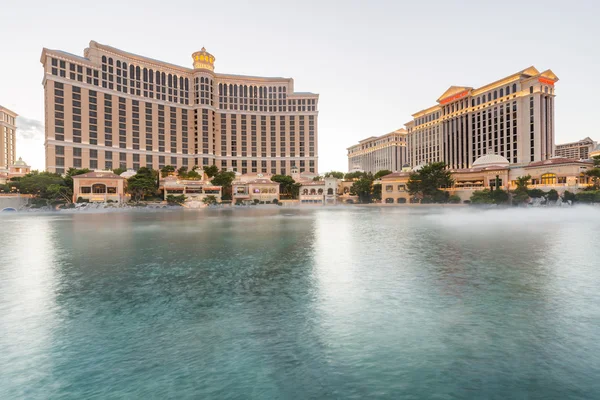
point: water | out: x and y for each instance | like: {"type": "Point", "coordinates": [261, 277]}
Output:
{"type": "Point", "coordinates": [342, 303]}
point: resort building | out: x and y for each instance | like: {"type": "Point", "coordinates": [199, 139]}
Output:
{"type": "Point", "coordinates": [8, 137]}
{"type": "Point", "coordinates": [111, 108]}
{"type": "Point", "coordinates": [576, 150]}
{"type": "Point", "coordinates": [512, 117]}
{"type": "Point", "coordinates": [560, 174]}
{"type": "Point", "coordinates": [379, 153]}
{"type": "Point", "coordinates": [324, 192]}
{"type": "Point", "coordinates": [16, 170]}
{"type": "Point", "coordinates": [254, 188]}
{"type": "Point", "coordinates": [99, 187]}
{"type": "Point", "coordinates": [195, 191]}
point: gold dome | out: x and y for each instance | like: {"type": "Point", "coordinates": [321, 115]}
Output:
{"type": "Point", "coordinates": [203, 60]}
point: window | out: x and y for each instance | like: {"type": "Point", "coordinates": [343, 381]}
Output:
{"type": "Point", "coordinates": [389, 188]}
{"type": "Point", "coordinates": [549, 179]}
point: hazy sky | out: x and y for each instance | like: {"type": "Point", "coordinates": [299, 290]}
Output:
{"type": "Point", "coordinates": [374, 63]}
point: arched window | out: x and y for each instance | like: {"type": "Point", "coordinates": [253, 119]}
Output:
{"type": "Point", "coordinates": [235, 90]}
{"type": "Point", "coordinates": [181, 82]}
{"type": "Point", "coordinates": [330, 190]}
{"type": "Point", "coordinates": [478, 100]}
{"type": "Point", "coordinates": [104, 59]}
{"type": "Point", "coordinates": [137, 73]}
{"type": "Point", "coordinates": [163, 79]}
{"type": "Point", "coordinates": [514, 88]}
{"type": "Point", "coordinates": [549, 179]}
{"type": "Point", "coordinates": [132, 72]}
{"type": "Point", "coordinates": [146, 75]}
{"type": "Point", "coordinates": [158, 78]}
{"type": "Point", "coordinates": [389, 201]}
{"type": "Point", "coordinates": [110, 61]}
{"type": "Point", "coordinates": [151, 76]}
{"type": "Point", "coordinates": [320, 191]}
{"type": "Point", "coordinates": [99, 188]}
{"type": "Point", "coordinates": [507, 90]}
{"type": "Point", "coordinates": [170, 80]}
{"type": "Point", "coordinates": [489, 97]}
{"type": "Point", "coordinates": [175, 82]}
{"type": "Point", "coordinates": [305, 192]}
{"type": "Point", "coordinates": [118, 64]}
{"type": "Point", "coordinates": [501, 92]}
{"type": "Point", "coordinates": [495, 94]}
{"type": "Point", "coordinates": [313, 191]}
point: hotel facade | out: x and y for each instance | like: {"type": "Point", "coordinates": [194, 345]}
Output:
{"type": "Point", "coordinates": [8, 137]}
{"type": "Point", "coordinates": [379, 153]}
{"type": "Point", "coordinates": [512, 117]}
{"type": "Point", "coordinates": [113, 109]}
{"type": "Point", "coordinates": [576, 150]}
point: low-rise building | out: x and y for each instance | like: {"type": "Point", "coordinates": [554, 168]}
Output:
{"type": "Point", "coordinates": [16, 170]}
{"type": "Point", "coordinates": [193, 190]}
{"type": "Point", "coordinates": [560, 174]}
{"type": "Point", "coordinates": [324, 192]}
{"type": "Point", "coordinates": [101, 186]}
{"type": "Point", "coordinates": [260, 189]}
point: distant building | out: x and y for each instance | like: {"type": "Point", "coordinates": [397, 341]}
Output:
{"type": "Point", "coordinates": [576, 150]}
{"type": "Point", "coordinates": [560, 174]}
{"type": "Point", "coordinates": [8, 137]}
{"type": "Point", "coordinates": [512, 117]}
{"type": "Point", "coordinates": [111, 108]}
{"type": "Point", "coordinates": [254, 187]}
{"type": "Point", "coordinates": [193, 190]}
{"type": "Point", "coordinates": [323, 192]}
{"type": "Point", "coordinates": [99, 187]}
{"type": "Point", "coordinates": [16, 170]}
{"type": "Point", "coordinates": [378, 153]}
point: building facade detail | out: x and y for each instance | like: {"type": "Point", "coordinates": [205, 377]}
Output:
{"type": "Point", "coordinates": [576, 150]}
{"type": "Point", "coordinates": [378, 153]}
{"type": "Point", "coordinates": [512, 117]}
{"type": "Point", "coordinates": [8, 137]}
{"type": "Point", "coordinates": [113, 109]}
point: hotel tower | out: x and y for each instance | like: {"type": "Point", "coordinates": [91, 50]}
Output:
{"type": "Point", "coordinates": [512, 117]}
{"type": "Point", "coordinates": [8, 137]}
{"type": "Point", "coordinates": [111, 108]}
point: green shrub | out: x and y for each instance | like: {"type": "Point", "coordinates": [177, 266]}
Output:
{"type": "Point", "coordinates": [82, 200]}
{"type": "Point", "coordinates": [466, 201]}
{"type": "Point", "coordinates": [586, 197]}
{"type": "Point", "coordinates": [256, 201]}
{"type": "Point", "coordinates": [536, 193]}
{"type": "Point", "coordinates": [569, 196]}
{"type": "Point", "coordinates": [275, 201]}
{"type": "Point", "coordinates": [401, 200]}
{"type": "Point", "coordinates": [553, 195]}
{"type": "Point", "coordinates": [454, 199]}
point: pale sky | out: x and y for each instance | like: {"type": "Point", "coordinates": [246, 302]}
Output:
{"type": "Point", "coordinates": [374, 63]}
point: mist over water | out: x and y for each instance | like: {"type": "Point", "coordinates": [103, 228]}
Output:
{"type": "Point", "coordinates": [343, 302]}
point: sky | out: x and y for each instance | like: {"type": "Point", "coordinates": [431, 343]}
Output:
{"type": "Point", "coordinates": [373, 63]}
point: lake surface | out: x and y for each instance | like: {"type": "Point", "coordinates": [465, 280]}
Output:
{"type": "Point", "coordinates": [314, 303]}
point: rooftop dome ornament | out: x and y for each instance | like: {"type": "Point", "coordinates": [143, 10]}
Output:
{"type": "Point", "coordinates": [203, 60]}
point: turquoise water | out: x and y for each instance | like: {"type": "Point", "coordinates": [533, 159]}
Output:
{"type": "Point", "coordinates": [341, 303]}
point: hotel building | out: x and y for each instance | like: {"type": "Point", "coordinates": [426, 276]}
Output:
{"type": "Point", "coordinates": [378, 153]}
{"type": "Point", "coordinates": [512, 117]}
{"type": "Point", "coordinates": [113, 109]}
{"type": "Point", "coordinates": [8, 138]}
{"type": "Point", "coordinates": [576, 150]}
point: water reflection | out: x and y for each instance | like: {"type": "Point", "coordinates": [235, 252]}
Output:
{"type": "Point", "coordinates": [345, 302]}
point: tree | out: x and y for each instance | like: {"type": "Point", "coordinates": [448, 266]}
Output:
{"type": "Point", "coordinates": [175, 199]}
{"type": "Point", "coordinates": [211, 171]}
{"type": "Point", "coordinates": [536, 193]}
{"type": "Point", "coordinates": [428, 181]}
{"type": "Point", "coordinates": [382, 173]}
{"type": "Point", "coordinates": [224, 179]}
{"type": "Point", "coordinates": [288, 187]}
{"type": "Point", "coordinates": [193, 175]}
{"type": "Point", "coordinates": [317, 178]}
{"type": "Point", "coordinates": [499, 196]}
{"type": "Point", "coordinates": [37, 183]}
{"type": "Point", "coordinates": [334, 174]}
{"type": "Point", "coordinates": [60, 192]}
{"type": "Point", "coordinates": [119, 171]}
{"type": "Point", "coordinates": [71, 172]}
{"type": "Point", "coordinates": [167, 170]}
{"type": "Point", "coordinates": [210, 200]}
{"type": "Point", "coordinates": [594, 173]}
{"type": "Point", "coordinates": [376, 192]}
{"type": "Point", "coordinates": [362, 189]}
{"type": "Point", "coordinates": [454, 199]}
{"type": "Point", "coordinates": [520, 194]}
{"type": "Point", "coordinates": [182, 172]}
{"type": "Point", "coordinates": [351, 176]}
{"type": "Point", "coordinates": [142, 184]}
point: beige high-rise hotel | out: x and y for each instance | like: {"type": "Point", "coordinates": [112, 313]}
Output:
{"type": "Point", "coordinates": [8, 137]}
{"type": "Point", "coordinates": [378, 153]}
{"type": "Point", "coordinates": [112, 108]}
{"type": "Point", "coordinates": [512, 117]}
